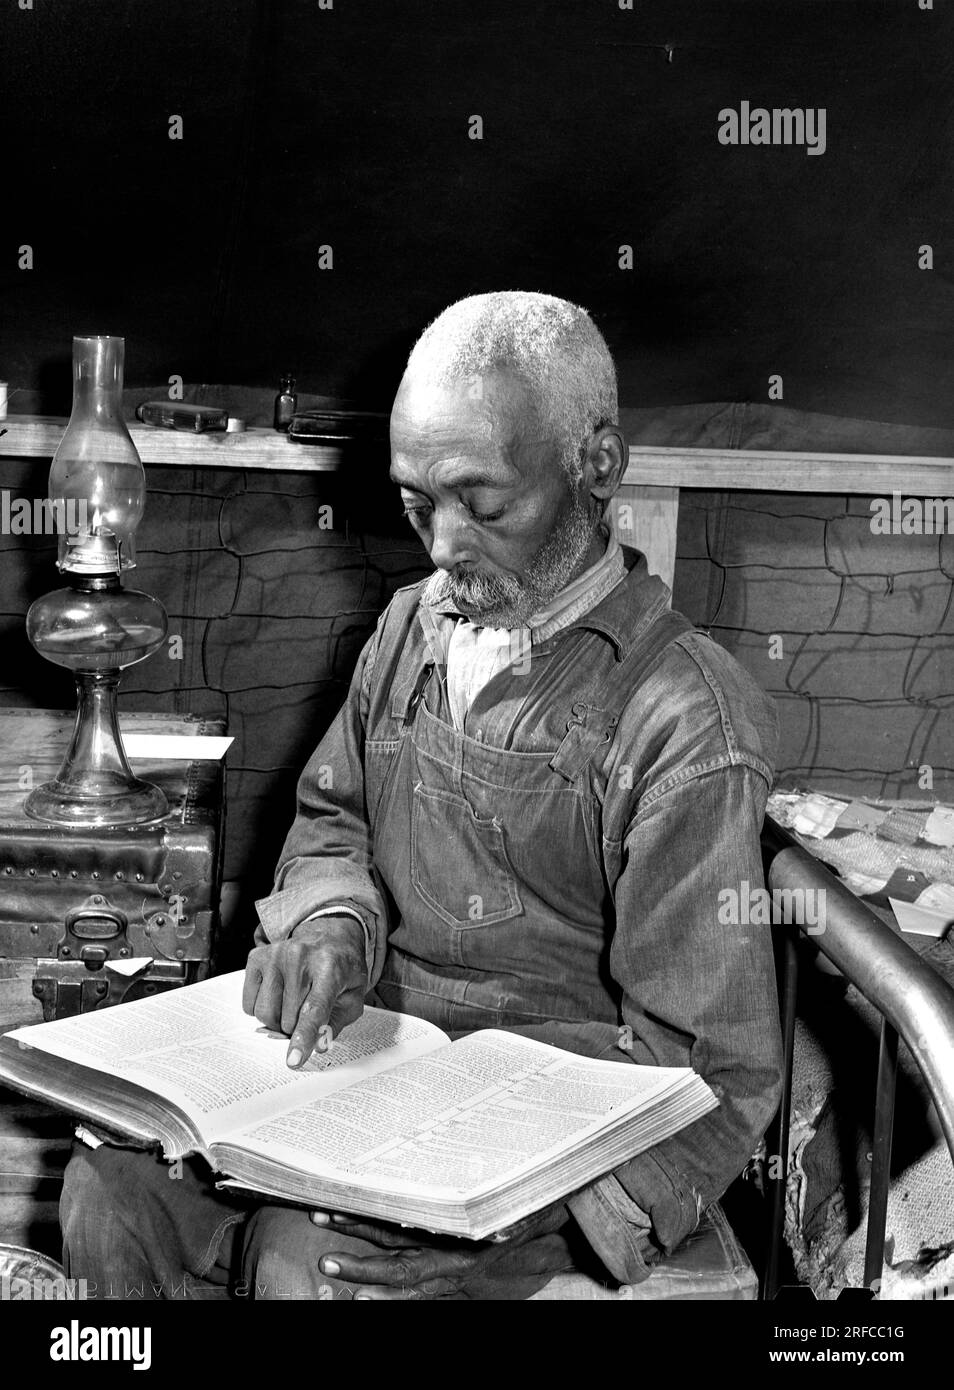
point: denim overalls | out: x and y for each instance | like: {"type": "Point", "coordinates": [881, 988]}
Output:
{"type": "Point", "coordinates": [555, 866]}
{"type": "Point", "coordinates": [492, 854]}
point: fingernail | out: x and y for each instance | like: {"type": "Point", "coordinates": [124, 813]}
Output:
{"type": "Point", "coordinates": [330, 1267]}
{"type": "Point", "coordinates": [294, 1057]}
{"type": "Point", "coordinates": [320, 1218]}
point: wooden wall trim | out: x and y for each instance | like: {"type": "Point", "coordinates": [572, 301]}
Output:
{"type": "Point", "coordinates": [790, 471]}
{"type": "Point", "coordinates": [36, 436]}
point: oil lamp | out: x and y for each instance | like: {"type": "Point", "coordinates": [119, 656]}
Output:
{"type": "Point", "coordinates": [95, 627]}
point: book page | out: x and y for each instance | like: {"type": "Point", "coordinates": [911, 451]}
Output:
{"type": "Point", "coordinates": [460, 1118]}
{"type": "Point", "coordinates": [197, 1048]}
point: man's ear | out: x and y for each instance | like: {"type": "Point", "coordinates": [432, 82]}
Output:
{"type": "Point", "coordinates": [606, 458]}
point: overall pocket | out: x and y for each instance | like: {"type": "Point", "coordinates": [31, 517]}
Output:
{"type": "Point", "coordinates": [459, 863]}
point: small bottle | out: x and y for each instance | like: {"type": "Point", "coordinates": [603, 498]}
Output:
{"type": "Point", "coordinates": [286, 403]}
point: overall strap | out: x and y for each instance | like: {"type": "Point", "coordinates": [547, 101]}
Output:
{"type": "Point", "coordinates": [629, 673]}
{"type": "Point", "coordinates": [591, 727]}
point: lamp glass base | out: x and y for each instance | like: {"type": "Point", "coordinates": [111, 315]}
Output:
{"type": "Point", "coordinates": [137, 804]}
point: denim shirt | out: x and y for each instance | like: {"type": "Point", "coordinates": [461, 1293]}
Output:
{"type": "Point", "coordinates": [558, 868]}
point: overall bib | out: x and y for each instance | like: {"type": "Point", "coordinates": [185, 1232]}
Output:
{"type": "Point", "coordinates": [501, 913]}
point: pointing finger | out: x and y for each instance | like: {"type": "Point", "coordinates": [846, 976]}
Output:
{"type": "Point", "coordinates": [312, 1030]}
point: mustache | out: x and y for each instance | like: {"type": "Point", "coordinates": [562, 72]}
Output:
{"type": "Point", "coordinates": [473, 588]}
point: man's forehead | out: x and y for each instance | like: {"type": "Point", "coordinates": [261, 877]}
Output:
{"type": "Point", "coordinates": [487, 412]}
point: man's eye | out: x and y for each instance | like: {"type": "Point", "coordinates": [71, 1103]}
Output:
{"type": "Point", "coordinates": [486, 516]}
{"type": "Point", "coordinates": [421, 513]}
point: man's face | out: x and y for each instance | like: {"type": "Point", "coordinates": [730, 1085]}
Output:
{"type": "Point", "coordinates": [485, 489]}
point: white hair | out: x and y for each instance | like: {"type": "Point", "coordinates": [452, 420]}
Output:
{"type": "Point", "coordinates": [552, 345]}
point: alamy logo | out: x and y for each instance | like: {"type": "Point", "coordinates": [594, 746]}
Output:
{"type": "Point", "coordinates": [38, 516]}
{"type": "Point", "coordinates": [911, 516]}
{"type": "Point", "coordinates": [755, 125]}
{"type": "Point", "coordinates": [761, 907]}
{"type": "Point", "coordinates": [18, 1288]}
{"type": "Point", "coordinates": [75, 1343]}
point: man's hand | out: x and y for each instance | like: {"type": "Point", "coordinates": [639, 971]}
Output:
{"type": "Point", "coordinates": [418, 1265]}
{"type": "Point", "coordinates": [310, 984]}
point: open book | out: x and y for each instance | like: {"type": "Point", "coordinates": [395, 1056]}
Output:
{"type": "Point", "coordinates": [392, 1121]}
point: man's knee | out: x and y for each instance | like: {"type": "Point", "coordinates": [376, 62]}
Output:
{"type": "Point", "coordinates": [281, 1254]}
{"type": "Point", "coordinates": [101, 1192]}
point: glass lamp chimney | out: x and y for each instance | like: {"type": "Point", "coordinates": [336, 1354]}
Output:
{"type": "Point", "coordinates": [97, 483]}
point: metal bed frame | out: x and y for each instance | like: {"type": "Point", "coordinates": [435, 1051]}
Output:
{"type": "Point", "coordinates": [915, 1004]}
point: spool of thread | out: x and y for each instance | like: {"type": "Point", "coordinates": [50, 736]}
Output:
{"type": "Point", "coordinates": [234, 425]}
{"type": "Point", "coordinates": [3, 400]}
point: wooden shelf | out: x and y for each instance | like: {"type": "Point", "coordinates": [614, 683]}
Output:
{"type": "Point", "coordinates": [776, 471]}
{"type": "Point", "coordinates": [36, 436]}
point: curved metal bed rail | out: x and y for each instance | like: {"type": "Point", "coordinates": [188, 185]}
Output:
{"type": "Point", "coordinates": [915, 1003]}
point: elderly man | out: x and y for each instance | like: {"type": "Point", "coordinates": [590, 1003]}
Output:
{"type": "Point", "coordinates": [522, 818]}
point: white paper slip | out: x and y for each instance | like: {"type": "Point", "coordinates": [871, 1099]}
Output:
{"type": "Point", "coordinates": [924, 919]}
{"type": "Point", "coordinates": [817, 815]}
{"type": "Point", "coordinates": [182, 747]}
{"type": "Point", "coordinates": [939, 829]}
{"type": "Point", "coordinates": [130, 966]}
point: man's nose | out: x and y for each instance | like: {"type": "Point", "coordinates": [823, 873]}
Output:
{"type": "Point", "coordinates": [452, 541]}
